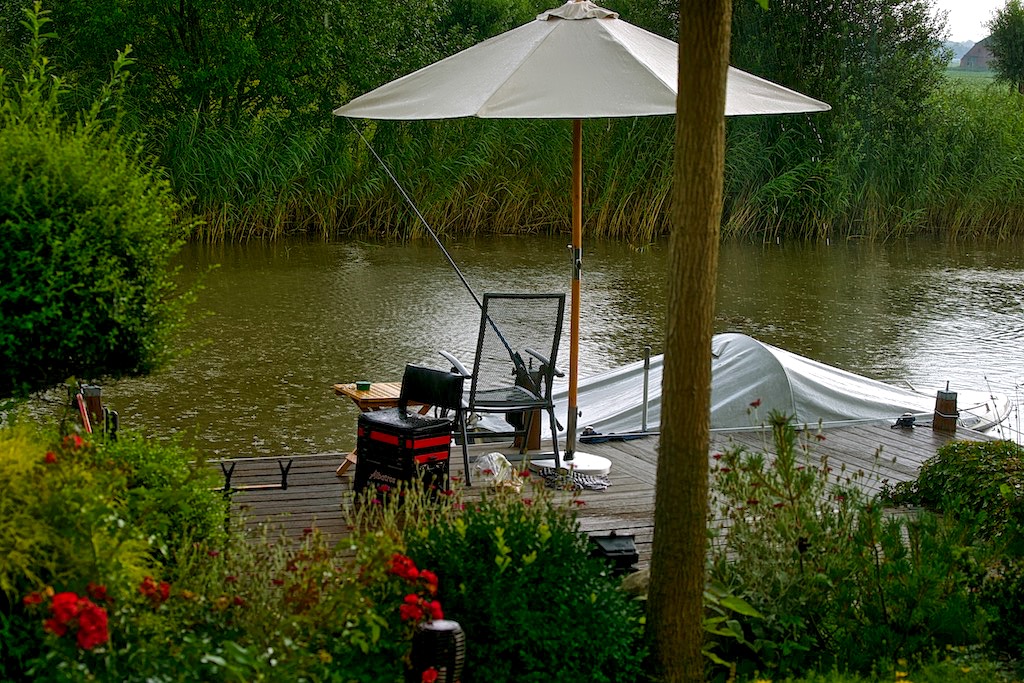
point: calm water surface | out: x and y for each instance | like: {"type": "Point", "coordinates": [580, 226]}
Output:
{"type": "Point", "coordinates": [281, 323]}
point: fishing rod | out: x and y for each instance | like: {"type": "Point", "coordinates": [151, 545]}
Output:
{"type": "Point", "coordinates": [517, 359]}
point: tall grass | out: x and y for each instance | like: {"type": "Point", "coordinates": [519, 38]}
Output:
{"type": "Point", "coordinates": [807, 177]}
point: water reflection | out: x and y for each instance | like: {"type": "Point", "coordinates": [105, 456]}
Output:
{"type": "Point", "coordinates": [283, 322]}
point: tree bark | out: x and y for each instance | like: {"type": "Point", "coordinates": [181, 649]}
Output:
{"type": "Point", "coordinates": [675, 598]}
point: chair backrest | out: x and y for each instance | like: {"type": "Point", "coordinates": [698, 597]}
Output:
{"type": "Point", "coordinates": [437, 388]}
{"type": "Point", "coordinates": [509, 325]}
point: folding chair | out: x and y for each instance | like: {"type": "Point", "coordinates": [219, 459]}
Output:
{"type": "Point", "coordinates": [514, 366]}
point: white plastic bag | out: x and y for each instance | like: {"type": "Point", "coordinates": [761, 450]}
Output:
{"type": "Point", "coordinates": [494, 470]}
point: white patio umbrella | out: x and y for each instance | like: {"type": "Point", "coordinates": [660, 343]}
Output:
{"type": "Point", "coordinates": [573, 62]}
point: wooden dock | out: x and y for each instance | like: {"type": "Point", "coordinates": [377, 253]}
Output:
{"type": "Point", "coordinates": [316, 496]}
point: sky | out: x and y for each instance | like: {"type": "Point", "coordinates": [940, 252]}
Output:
{"type": "Point", "coordinates": [967, 17]}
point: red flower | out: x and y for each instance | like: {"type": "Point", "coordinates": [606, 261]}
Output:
{"type": "Point", "coordinates": [755, 404]}
{"type": "Point", "coordinates": [429, 676]}
{"type": "Point", "coordinates": [404, 567]}
{"type": "Point", "coordinates": [64, 607]}
{"type": "Point", "coordinates": [51, 457]}
{"type": "Point", "coordinates": [239, 601]}
{"type": "Point", "coordinates": [92, 626]}
{"type": "Point", "coordinates": [32, 598]}
{"type": "Point", "coordinates": [98, 592]}
{"type": "Point", "coordinates": [429, 578]}
{"type": "Point", "coordinates": [55, 627]}
{"type": "Point", "coordinates": [410, 612]}
{"type": "Point", "coordinates": [157, 593]}
{"type": "Point", "coordinates": [73, 441]}
{"type": "Point", "coordinates": [434, 607]}
{"type": "Point", "coordinates": [717, 456]}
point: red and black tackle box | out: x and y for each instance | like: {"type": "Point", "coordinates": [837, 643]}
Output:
{"type": "Point", "coordinates": [393, 447]}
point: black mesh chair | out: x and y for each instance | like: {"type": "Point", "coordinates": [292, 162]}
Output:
{"type": "Point", "coordinates": [514, 366]}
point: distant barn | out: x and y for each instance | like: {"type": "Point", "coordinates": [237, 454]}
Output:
{"type": "Point", "coordinates": [977, 58]}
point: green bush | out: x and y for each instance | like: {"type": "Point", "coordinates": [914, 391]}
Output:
{"type": "Point", "coordinates": [838, 581]}
{"type": "Point", "coordinates": [518, 577]}
{"type": "Point", "coordinates": [1002, 593]}
{"type": "Point", "coordinates": [169, 492]}
{"type": "Point", "coordinates": [254, 610]}
{"type": "Point", "coordinates": [980, 483]}
{"type": "Point", "coordinates": [63, 528]}
{"type": "Point", "coordinates": [89, 230]}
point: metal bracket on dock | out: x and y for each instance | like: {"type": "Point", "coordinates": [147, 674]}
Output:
{"type": "Point", "coordinates": [284, 466]}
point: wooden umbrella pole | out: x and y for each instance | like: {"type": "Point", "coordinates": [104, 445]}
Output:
{"type": "Point", "coordinates": [577, 269]}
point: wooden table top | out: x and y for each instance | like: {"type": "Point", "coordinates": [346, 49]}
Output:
{"type": "Point", "coordinates": [379, 395]}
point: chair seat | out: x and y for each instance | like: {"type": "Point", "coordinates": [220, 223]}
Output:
{"type": "Point", "coordinates": [508, 399]}
{"type": "Point", "coordinates": [410, 421]}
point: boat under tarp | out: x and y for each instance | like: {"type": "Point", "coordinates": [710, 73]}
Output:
{"type": "Point", "coordinates": [745, 371]}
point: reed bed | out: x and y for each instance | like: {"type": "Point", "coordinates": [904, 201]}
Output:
{"type": "Point", "coordinates": [959, 173]}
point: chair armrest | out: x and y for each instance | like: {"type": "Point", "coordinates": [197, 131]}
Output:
{"type": "Point", "coordinates": [457, 367]}
{"type": "Point", "coordinates": [545, 362]}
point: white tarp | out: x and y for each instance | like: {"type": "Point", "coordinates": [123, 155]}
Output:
{"type": "Point", "coordinates": [745, 370]}
{"type": "Point", "coordinates": [572, 62]}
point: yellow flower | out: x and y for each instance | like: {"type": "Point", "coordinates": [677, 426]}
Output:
{"type": "Point", "coordinates": [901, 675]}
{"type": "Point", "coordinates": [221, 603]}
{"type": "Point", "coordinates": [325, 656]}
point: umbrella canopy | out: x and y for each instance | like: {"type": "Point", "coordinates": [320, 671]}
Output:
{"type": "Point", "coordinates": [574, 62]}
{"type": "Point", "coordinates": [577, 61]}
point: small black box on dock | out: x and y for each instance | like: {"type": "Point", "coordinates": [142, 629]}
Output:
{"type": "Point", "coordinates": [619, 550]}
{"type": "Point", "coordinates": [394, 447]}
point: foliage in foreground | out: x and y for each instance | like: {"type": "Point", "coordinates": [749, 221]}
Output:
{"type": "Point", "coordinates": [840, 582]}
{"type": "Point", "coordinates": [115, 567]}
{"type": "Point", "coordinates": [89, 230]}
{"type": "Point", "coordinates": [980, 485]}
{"type": "Point", "coordinates": [533, 603]}
{"type": "Point", "coordinates": [813, 575]}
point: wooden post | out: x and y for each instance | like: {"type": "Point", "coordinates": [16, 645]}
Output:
{"type": "Point", "coordinates": [946, 414]}
{"type": "Point", "coordinates": [94, 404]}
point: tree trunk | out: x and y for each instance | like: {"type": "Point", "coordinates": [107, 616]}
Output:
{"type": "Point", "coordinates": [675, 599]}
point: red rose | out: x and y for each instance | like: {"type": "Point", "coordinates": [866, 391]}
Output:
{"type": "Point", "coordinates": [55, 627]}
{"type": "Point", "coordinates": [51, 457]}
{"type": "Point", "coordinates": [64, 607]}
{"type": "Point", "coordinates": [92, 626]}
{"type": "Point", "coordinates": [429, 676]}
{"type": "Point", "coordinates": [98, 592]}
{"type": "Point", "coordinates": [410, 612]}
{"type": "Point", "coordinates": [32, 598]}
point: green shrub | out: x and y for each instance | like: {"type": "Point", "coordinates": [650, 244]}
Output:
{"type": "Point", "coordinates": [980, 483]}
{"type": "Point", "coordinates": [169, 493]}
{"type": "Point", "coordinates": [63, 528]}
{"type": "Point", "coordinates": [518, 577]}
{"type": "Point", "coordinates": [89, 233]}
{"type": "Point", "coordinates": [255, 610]}
{"type": "Point", "coordinates": [1002, 593]}
{"type": "Point", "coordinates": [838, 581]}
